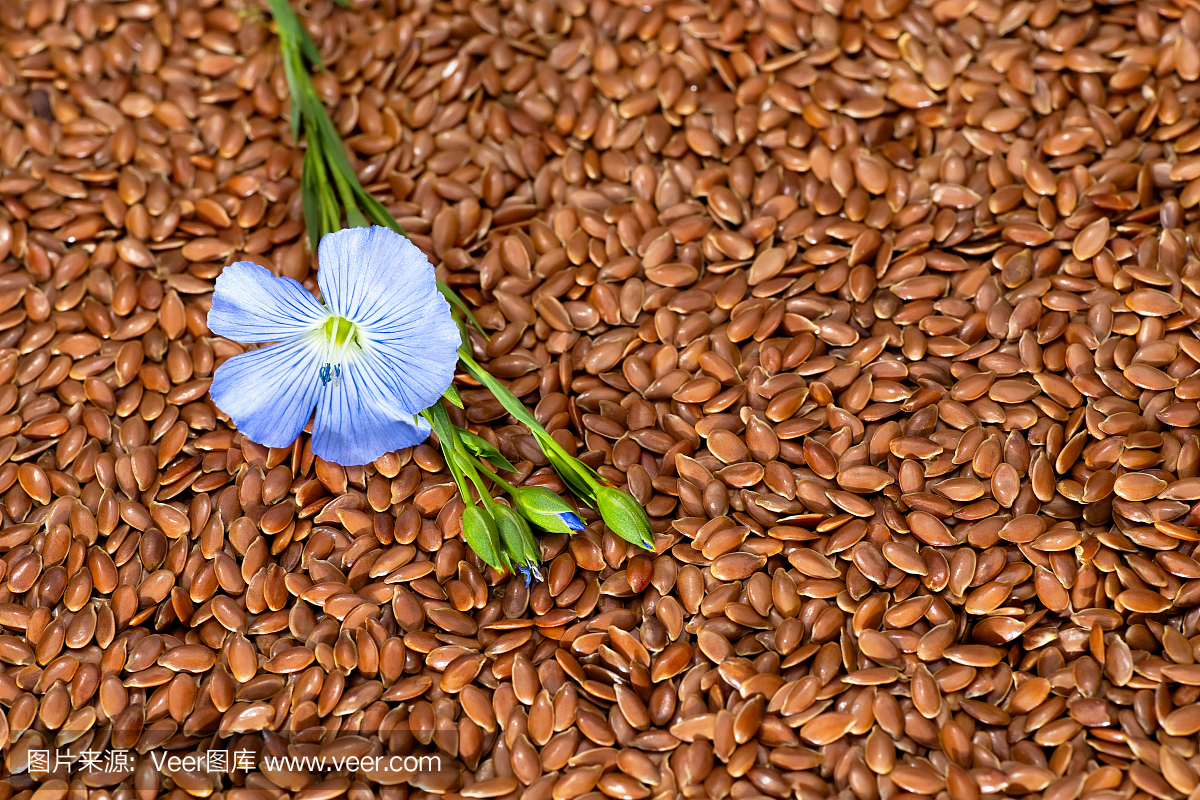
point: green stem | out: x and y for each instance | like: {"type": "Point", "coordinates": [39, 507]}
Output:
{"type": "Point", "coordinates": [580, 476]}
{"type": "Point", "coordinates": [484, 495]}
{"type": "Point", "coordinates": [328, 177]}
{"type": "Point", "coordinates": [505, 485]}
{"type": "Point", "coordinates": [309, 119]}
{"type": "Point", "coordinates": [449, 443]}
{"type": "Point", "coordinates": [460, 461]}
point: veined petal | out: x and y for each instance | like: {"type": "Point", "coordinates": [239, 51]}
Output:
{"type": "Point", "coordinates": [382, 283]}
{"type": "Point", "coordinates": [270, 393]}
{"type": "Point", "coordinates": [357, 417]}
{"type": "Point", "coordinates": [251, 305]}
{"type": "Point", "coordinates": [418, 367]}
{"type": "Point", "coordinates": [375, 277]}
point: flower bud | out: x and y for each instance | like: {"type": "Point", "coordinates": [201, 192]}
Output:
{"type": "Point", "coordinates": [624, 516]}
{"type": "Point", "coordinates": [480, 531]}
{"type": "Point", "coordinates": [516, 538]}
{"type": "Point", "coordinates": [546, 509]}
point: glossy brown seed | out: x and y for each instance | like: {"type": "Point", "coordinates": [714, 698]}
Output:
{"type": "Point", "coordinates": [884, 313]}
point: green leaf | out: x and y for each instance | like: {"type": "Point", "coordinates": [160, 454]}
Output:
{"type": "Point", "coordinates": [290, 60]}
{"type": "Point", "coordinates": [292, 31]}
{"type": "Point", "coordinates": [482, 448]}
{"type": "Point", "coordinates": [379, 213]}
{"type": "Point", "coordinates": [575, 474]}
{"type": "Point", "coordinates": [455, 472]}
{"type": "Point", "coordinates": [312, 205]}
{"type": "Point", "coordinates": [456, 302]}
{"type": "Point", "coordinates": [452, 395]}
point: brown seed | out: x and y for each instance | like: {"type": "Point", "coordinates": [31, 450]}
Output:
{"type": "Point", "coordinates": [814, 319]}
{"type": "Point", "coordinates": [863, 479]}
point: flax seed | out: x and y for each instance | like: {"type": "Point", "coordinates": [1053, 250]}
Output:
{"type": "Point", "coordinates": [865, 353]}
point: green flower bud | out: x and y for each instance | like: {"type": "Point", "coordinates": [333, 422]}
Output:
{"type": "Point", "coordinates": [480, 531]}
{"type": "Point", "coordinates": [546, 509]}
{"type": "Point", "coordinates": [516, 537]}
{"type": "Point", "coordinates": [625, 517]}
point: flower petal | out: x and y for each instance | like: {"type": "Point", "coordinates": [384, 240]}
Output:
{"type": "Point", "coordinates": [420, 367]}
{"type": "Point", "coordinates": [375, 277]}
{"type": "Point", "coordinates": [357, 418]}
{"type": "Point", "coordinates": [572, 521]}
{"type": "Point", "coordinates": [270, 393]}
{"type": "Point", "coordinates": [251, 305]}
{"type": "Point", "coordinates": [379, 280]}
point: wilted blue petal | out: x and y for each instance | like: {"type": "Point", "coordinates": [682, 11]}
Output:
{"type": "Point", "coordinates": [382, 283]}
{"type": "Point", "coordinates": [357, 420]}
{"type": "Point", "coordinates": [530, 573]}
{"type": "Point", "coordinates": [250, 304]}
{"type": "Point", "coordinates": [270, 393]}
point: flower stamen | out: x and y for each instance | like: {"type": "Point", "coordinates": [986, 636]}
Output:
{"type": "Point", "coordinates": [340, 336]}
{"type": "Point", "coordinates": [331, 372]}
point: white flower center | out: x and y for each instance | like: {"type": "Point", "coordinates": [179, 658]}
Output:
{"type": "Point", "coordinates": [339, 339]}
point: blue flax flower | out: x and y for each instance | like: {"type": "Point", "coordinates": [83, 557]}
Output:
{"type": "Point", "coordinates": [381, 348]}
